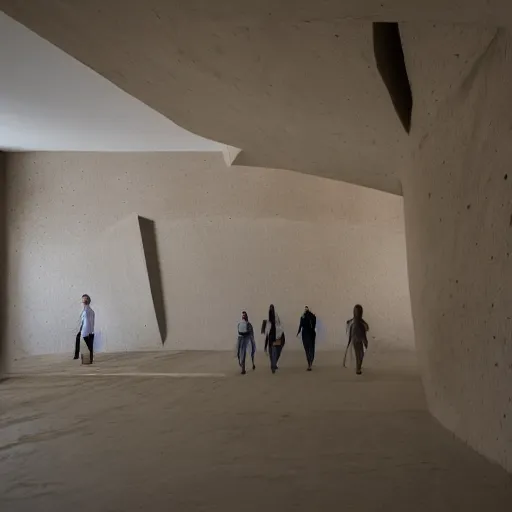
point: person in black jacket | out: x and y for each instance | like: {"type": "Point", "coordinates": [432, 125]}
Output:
{"type": "Point", "coordinates": [307, 327]}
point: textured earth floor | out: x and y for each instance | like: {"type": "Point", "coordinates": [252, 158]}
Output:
{"type": "Point", "coordinates": [183, 431]}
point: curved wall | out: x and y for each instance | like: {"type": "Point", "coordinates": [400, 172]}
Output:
{"type": "Point", "coordinates": [458, 213]}
{"type": "Point", "coordinates": [228, 238]}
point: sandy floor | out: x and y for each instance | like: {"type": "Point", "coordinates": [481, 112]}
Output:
{"type": "Point", "coordinates": [124, 436]}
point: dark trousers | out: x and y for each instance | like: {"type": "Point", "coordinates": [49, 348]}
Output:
{"type": "Point", "coordinates": [89, 341]}
{"type": "Point", "coordinates": [359, 351]}
{"type": "Point", "coordinates": [308, 340]}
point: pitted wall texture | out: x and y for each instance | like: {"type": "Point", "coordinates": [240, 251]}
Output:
{"type": "Point", "coordinates": [228, 239]}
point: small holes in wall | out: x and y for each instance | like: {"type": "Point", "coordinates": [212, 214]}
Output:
{"type": "Point", "coordinates": [505, 177]}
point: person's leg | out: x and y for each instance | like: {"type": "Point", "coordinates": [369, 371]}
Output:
{"type": "Point", "coordinates": [358, 348]}
{"type": "Point", "coordinates": [305, 343]}
{"type": "Point", "coordinates": [89, 341]}
{"type": "Point", "coordinates": [279, 349]}
{"type": "Point", "coordinates": [87, 344]}
{"type": "Point", "coordinates": [313, 344]}
{"type": "Point", "coordinates": [77, 345]}
{"type": "Point", "coordinates": [273, 358]}
{"type": "Point", "coordinates": [243, 353]}
{"type": "Point", "coordinates": [253, 352]}
{"type": "Point", "coordinates": [238, 350]}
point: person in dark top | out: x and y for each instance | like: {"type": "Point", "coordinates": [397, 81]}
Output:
{"type": "Point", "coordinates": [356, 332]}
{"type": "Point", "coordinates": [274, 339]}
{"type": "Point", "coordinates": [307, 327]}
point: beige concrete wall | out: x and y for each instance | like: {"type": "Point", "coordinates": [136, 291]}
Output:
{"type": "Point", "coordinates": [3, 263]}
{"type": "Point", "coordinates": [228, 238]}
{"type": "Point", "coordinates": [458, 206]}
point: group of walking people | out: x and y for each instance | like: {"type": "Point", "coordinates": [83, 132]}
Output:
{"type": "Point", "coordinates": [271, 328]}
{"type": "Point", "coordinates": [275, 339]}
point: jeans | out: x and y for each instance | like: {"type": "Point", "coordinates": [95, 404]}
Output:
{"type": "Point", "coordinates": [275, 354]}
{"type": "Point", "coordinates": [243, 342]}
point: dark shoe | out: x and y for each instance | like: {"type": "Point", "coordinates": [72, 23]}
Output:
{"type": "Point", "coordinates": [76, 357]}
{"type": "Point", "coordinates": [359, 372]}
{"type": "Point", "coordinates": [309, 369]}
{"type": "Point", "coordinates": [243, 372]}
{"type": "Point", "coordinates": [254, 367]}
{"type": "Point", "coordinates": [274, 370]}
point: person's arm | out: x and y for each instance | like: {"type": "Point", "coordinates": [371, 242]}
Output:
{"type": "Point", "coordinates": [300, 327]}
{"type": "Point", "coordinates": [347, 328]}
{"type": "Point", "coordinates": [349, 325]}
{"type": "Point", "coordinates": [266, 343]}
{"type": "Point", "coordinates": [81, 328]}
{"type": "Point", "coordinates": [366, 329]}
{"type": "Point", "coordinates": [85, 323]}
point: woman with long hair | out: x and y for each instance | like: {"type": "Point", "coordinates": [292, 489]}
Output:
{"type": "Point", "coordinates": [356, 332]}
{"type": "Point", "coordinates": [275, 339]}
{"type": "Point", "coordinates": [307, 326]}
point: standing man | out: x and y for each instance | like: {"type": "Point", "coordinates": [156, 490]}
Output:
{"type": "Point", "coordinates": [307, 326]}
{"type": "Point", "coordinates": [86, 327]}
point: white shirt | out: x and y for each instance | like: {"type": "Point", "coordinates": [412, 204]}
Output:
{"type": "Point", "coordinates": [279, 328]}
{"type": "Point", "coordinates": [87, 320]}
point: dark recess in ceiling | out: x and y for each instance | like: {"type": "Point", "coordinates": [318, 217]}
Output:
{"type": "Point", "coordinates": [389, 56]}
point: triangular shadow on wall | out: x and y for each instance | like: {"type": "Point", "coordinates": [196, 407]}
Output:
{"type": "Point", "coordinates": [149, 243]}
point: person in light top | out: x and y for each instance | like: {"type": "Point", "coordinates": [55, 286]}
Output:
{"type": "Point", "coordinates": [86, 327]}
{"type": "Point", "coordinates": [274, 337]}
{"type": "Point", "coordinates": [245, 337]}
